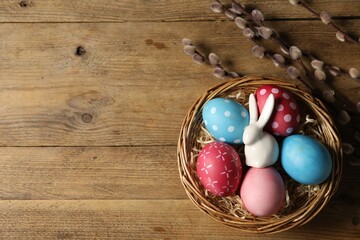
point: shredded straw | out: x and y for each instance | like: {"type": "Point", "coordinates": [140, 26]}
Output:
{"type": "Point", "coordinates": [302, 201]}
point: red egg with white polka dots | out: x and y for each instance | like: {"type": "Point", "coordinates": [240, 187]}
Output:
{"type": "Point", "coordinates": [285, 119]}
{"type": "Point", "coordinates": [219, 168]}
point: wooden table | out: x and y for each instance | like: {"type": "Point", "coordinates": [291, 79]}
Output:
{"type": "Point", "coordinates": [92, 97]}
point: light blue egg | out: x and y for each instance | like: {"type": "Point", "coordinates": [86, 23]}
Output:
{"type": "Point", "coordinates": [305, 159]}
{"type": "Point", "coordinates": [225, 119]}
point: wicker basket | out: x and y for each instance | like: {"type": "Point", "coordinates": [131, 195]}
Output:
{"type": "Point", "coordinates": [303, 202]}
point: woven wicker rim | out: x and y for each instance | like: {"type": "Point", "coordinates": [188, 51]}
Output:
{"type": "Point", "coordinates": [328, 135]}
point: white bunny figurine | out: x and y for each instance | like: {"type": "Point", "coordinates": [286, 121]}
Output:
{"type": "Point", "coordinates": [261, 148]}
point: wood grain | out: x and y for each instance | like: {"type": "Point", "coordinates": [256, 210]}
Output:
{"type": "Point", "coordinates": [143, 219]}
{"type": "Point", "coordinates": [60, 175]}
{"type": "Point", "coordinates": [89, 173]}
{"type": "Point", "coordinates": [142, 10]}
{"type": "Point", "coordinates": [68, 173]}
{"type": "Point", "coordinates": [93, 94]}
{"type": "Point", "coordinates": [132, 85]}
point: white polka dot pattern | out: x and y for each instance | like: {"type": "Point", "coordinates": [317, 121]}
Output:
{"type": "Point", "coordinates": [285, 119]}
{"type": "Point", "coordinates": [225, 119]}
{"type": "Point", "coordinates": [263, 91]}
{"type": "Point", "coordinates": [275, 90]}
{"type": "Point", "coordinates": [289, 130]}
{"type": "Point", "coordinates": [274, 125]}
{"type": "Point", "coordinates": [286, 95]}
{"type": "Point", "coordinates": [293, 105]}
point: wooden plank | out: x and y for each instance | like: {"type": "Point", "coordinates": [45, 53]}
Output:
{"type": "Point", "coordinates": [90, 173]}
{"type": "Point", "coordinates": [140, 10]}
{"type": "Point", "coordinates": [130, 219]}
{"type": "Point", "coordinates": [108, 96]}
{"type": "Point", "coordinates": [79, 74]}
{"type": "Point", "coordinates": [55, 173]}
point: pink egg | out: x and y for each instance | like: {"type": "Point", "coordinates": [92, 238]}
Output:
{"type": "Point", "coordinates": [285, 119]}
{"type": "Point", "coordinates": [263, 191]}
{"type": "Point", "coordinates": [219, 168]}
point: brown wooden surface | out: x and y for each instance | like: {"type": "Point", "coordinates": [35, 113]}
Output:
{"type": "Point", "coordinates": [88, 141]}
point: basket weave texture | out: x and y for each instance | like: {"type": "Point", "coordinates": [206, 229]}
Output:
{"type": "Point", "coordinates": [303, 202]}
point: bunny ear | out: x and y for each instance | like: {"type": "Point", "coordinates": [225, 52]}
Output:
{"type": "Point", "coordinates": [253, 111]}
{"type": "Point", "coordinates": [267, 111]}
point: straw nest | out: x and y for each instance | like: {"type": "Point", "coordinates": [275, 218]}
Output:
{"type": "Point", "coordinates": [303, 202]}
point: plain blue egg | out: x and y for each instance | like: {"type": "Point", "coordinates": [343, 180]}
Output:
{"type": "Point", "coordinates": [305, 159]}
{"type": "Point", "coordinates": [225, 119]}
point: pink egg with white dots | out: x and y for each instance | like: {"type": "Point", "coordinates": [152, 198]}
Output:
{"type": "Point", "coordinates": [219, 168]}
{"type": "Point", "coordinates": [285, 119]}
